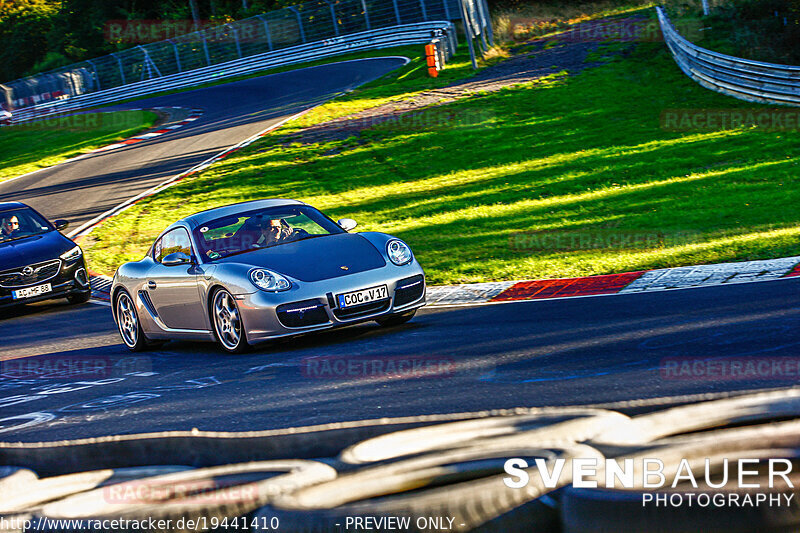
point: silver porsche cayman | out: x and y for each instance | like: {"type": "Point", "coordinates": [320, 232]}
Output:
{"type": "Point", "coordinates": [255, 271]}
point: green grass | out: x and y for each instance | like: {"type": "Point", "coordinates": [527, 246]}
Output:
{"type": "Point", "coordinates": [541, 19]}
{"type": "Point", "coordinates": [583, 154]}
{"type": "Point", "coordinates": [29, 147]}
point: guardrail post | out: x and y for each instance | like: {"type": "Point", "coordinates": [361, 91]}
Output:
{"type": "Point", "coordinates": [366, 14]}
{"type": "Point", "coordinates": [294, 10]}
{"type": "Point", "coordinates": [397, 12]}
{"type": "Point", "coordinates": [488, 21]}
{"type": "Point", "coordinates": [121, 71]}
{"type": "Point", "coordinates": [236, 38]}
{"type": "Point", "coordinates": [424, 11]}
{"type": "Point", "coordinates": [266, 30]}
{"type": "Point", "coordinates": [205, 48]}
{"type": "Point", "coordinates": [177, 55]}
{"type": "Point", "coordinates": [333, 17]}
{"type": "Point", "coordinates": [96, 75]}
{"type": "Point", "coordinates": [446, 9]}
{"type": "Point", "coordinates": [468, 33]}
{"type": "Point", "coordinates": [148, 64]}
{"type": "Point", "coordinates": [483, 17]}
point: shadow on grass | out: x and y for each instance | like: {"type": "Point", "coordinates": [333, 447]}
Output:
{"type": "Point", "coordinates": [585, 152]}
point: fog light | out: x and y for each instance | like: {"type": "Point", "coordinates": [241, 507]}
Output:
{"type": "Point", "coordinates": [80, 277]}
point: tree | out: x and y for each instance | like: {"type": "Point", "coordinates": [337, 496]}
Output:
{"type": "Point", "coordinates": [24, 28]}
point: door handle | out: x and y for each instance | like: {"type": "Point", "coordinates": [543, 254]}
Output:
{"type": "Point", "coordinates": [151, 284]}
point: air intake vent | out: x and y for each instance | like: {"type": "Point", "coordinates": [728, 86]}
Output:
{"type": "Point", "coordinates": [302, 314]}
{"type": "Point", "coordinates": [409, 290]}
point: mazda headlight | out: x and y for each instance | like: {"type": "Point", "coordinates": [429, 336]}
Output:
{"type": "Point", "coordinates": [398, 252]}
{"type": "Point", "coordinates": [72, 255]}
{"type": "Point", "coordinates": [268, 280]}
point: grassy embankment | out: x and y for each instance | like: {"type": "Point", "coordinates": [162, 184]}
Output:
{"type": "Point", "coordinates": [29, 147]}
{"type": "Point", "coordinates": [583, 155]}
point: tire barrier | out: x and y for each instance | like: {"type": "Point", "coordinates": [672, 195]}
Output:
{"type": "Point", "coordinates": [602, 510]}
{"type": "Point", "coordinates": [432, 472]}
{"type": "Point", "coordinates": [18, 497]}
{"type": "Point", "coordinates": [693, 418]}
{"type": "Point", "coordinates": [207, 448]}
{"type": "Point", "coordinates": [214, 493]}
{"type": "Point", "coordinates": [464, 486]}
{"type": "Point", "coordinates": [554, 425]}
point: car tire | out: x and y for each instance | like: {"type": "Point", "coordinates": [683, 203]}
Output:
{"type": "Point", "coordinates": [228, 326]}
{"type": "Point", "coordinates": [79, 297]}
{"type": "Point", "coordinates": [464, 484]}
{"type": "Point", "coordinates": [128, 324]}
{"type": "Point", "coordinates": [229, 491]}
{"type": "Point", "coordinates": [396, 319]}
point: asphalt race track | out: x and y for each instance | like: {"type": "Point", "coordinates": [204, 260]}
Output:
{"type": "Point", "coordinates": [551, 352]}
{"type": "Point", "coordinates": [84, 189]}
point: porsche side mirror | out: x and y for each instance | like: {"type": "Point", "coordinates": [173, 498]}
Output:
{"type": "Point", "coordinates": [61, 224]}
{"type": "Point", "coordinates": [176, 259]}
{"type": "Point", "coordinates": [347, 223]}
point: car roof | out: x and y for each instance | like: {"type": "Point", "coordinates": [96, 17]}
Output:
{"type": "Point", "coordinates": [11, 205]}
{"type": "Point", "coordinates": [218, 212]}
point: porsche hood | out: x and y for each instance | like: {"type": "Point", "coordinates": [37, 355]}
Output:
{"type": "Point", "coordinates": [317, 258]}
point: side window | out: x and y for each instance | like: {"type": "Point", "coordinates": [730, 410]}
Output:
{"type": "Point", "coordinates": [176, 240]}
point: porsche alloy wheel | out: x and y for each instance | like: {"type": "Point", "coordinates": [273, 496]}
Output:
{"type": "Point", "coordinates": [228, 322]}
{"type": "Point", "coordinates": [128, 323]}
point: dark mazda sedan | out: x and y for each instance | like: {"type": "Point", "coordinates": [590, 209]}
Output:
{"type": "Point", "coordinates": [37, 262]}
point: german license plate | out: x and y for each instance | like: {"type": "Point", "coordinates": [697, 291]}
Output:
{"type": "Point", "coordinates": [30, 292]}
{"type": "Point", "coordinates": [364, 296]}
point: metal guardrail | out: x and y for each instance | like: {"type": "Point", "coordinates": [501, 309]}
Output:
{"type": "Point", "coordinates": [312, 22]}
{"type": "Point", "coordinates": [753, 81]}
{"type": "Point", "coordinates": [425, 32]}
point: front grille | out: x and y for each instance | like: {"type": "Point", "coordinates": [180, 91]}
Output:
{"type": "Point", "coordinates": [301, 314]}
{"type": "Point", "coordinates": [361, 310]}
{"type": "Point", "coordinates": [409, 290]}
{"type": "Point", "coordinates": [42, 272]}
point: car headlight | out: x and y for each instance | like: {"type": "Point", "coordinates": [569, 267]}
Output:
{"type": "Point", "coordinates": [72, 254]}
{"type": "Point", "coordinates": [398, 252]}
{"type": "Point", "coordinates": [268, 280]}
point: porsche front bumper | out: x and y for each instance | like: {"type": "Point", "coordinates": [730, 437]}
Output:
{"type": "Point", "coordinates": [313, 306]}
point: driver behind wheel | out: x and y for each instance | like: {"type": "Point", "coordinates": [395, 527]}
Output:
{"type": "Point", "coordinates": [9, 227]}
{"type": "Point", "coordinates": [274, 231]}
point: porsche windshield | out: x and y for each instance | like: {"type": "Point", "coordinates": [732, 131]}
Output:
{"type": "Point", "coordinates": [20, 223]}
{"type": "Point", "coordinates": [263, 228]}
